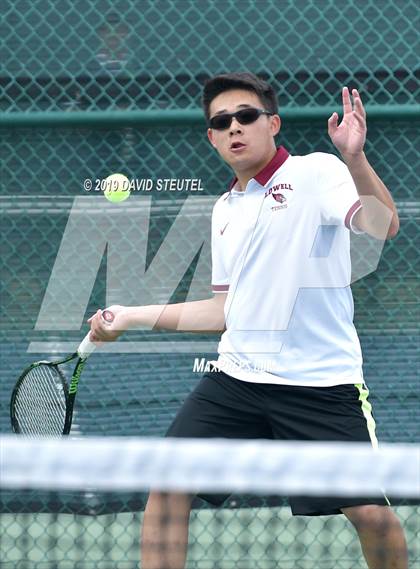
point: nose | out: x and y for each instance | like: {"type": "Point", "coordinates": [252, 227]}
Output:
{"type": "Point", "coordinates": [235, 126]}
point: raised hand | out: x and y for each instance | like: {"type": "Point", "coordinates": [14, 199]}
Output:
{"type": "Point", "coordinates": [350, 135]}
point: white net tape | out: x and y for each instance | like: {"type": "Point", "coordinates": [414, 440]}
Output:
{"type": "Point", "coordinates": [211, 465]}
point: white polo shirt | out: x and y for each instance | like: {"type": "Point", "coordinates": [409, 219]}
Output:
{"type": "Point", "coordinates": [281, 249]}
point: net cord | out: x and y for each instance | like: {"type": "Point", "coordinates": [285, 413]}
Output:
{"type": "Point", "coordinates": [216, 465]}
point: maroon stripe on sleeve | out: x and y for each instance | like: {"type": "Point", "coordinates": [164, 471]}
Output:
{"type": "Point", "coordinates": [220, 288]}
{"type": "Point", "coordinates": [357, 205]}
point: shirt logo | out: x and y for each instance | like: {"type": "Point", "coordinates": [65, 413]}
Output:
{"type": "Point", "coordinates": [280, 199]}
{"type": "Point", "coordinates": [224, 228]}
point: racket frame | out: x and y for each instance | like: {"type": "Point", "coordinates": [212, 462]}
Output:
{"type": "Point", "coordinates": [70, 389]}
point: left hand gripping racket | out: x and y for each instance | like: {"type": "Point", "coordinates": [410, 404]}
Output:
{"type": "Point", "coordinates": [42, 401]}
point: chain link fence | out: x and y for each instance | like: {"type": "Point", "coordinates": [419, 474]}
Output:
{"type": "Point", "coordinates": [87, 89]}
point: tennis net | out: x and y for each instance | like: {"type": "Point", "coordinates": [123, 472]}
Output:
{"type": "Point", "coordinates": [78, 502]}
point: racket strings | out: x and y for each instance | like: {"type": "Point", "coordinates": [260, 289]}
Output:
{"type": "Point", "coordinates": [40, 403]}
{"type": "Point", "coordinates": [40, 408]}
{"type": "Point", "coordinates": [30, 414]}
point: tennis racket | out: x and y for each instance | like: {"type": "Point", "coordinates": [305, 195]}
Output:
{"type": "Point", "coordinates": [42, 401]}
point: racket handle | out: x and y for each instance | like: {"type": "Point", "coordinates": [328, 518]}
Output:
{"type": "Point", "coordinates": [87, 346]}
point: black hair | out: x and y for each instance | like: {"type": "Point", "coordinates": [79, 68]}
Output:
{"type": "Point", "coordinates": [246, 81]}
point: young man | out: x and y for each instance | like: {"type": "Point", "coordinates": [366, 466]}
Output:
{"type": "Point", "coordinates": [290, 364]}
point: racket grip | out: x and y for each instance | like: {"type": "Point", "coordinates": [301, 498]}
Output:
{"type": "Point", "coordinates": [87, 346]}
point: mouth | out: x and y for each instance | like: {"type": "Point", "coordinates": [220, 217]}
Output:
{"type": "Point", "coordinates": [237, 146]}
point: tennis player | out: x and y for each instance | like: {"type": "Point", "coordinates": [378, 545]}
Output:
{"type": "Point", "coordinates": [290, 363]}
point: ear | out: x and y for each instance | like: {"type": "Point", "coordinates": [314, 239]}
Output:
{"type": "Point", "coordinates": [210, 137]}
{"type": "Point", "coordinates": [275, 124]}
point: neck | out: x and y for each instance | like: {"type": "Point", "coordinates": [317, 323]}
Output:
{"type": "Point", "coordinates": [244, 176]}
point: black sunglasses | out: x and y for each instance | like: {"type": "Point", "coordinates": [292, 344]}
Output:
{"type": "Point", "coordinates": [244, 116]}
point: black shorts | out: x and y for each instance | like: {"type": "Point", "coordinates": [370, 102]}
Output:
{"type": "Point", "coordinates": [224, 407]}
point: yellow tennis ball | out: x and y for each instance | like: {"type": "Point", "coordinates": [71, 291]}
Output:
{"type": "Point", "coordinates": [117, 188]}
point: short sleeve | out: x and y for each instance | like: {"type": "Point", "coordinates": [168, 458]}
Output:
{"type": "Point", "coordinates": [219, 278]}
{"type": "Point", "coordinates": [339, 198]}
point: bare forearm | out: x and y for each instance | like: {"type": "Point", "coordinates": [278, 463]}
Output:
{"type": "Point", "coordinates": [199, 316]}
{"type": "Point", "coordinates": [379, 216]}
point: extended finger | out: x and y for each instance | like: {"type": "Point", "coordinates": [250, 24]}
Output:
{"type": "Point", "coordinates": [358, 105]}
{"type": "Point", "coordinates": [360, 118]}
{"type": "Point", "coordinates": [94, 321]}
{"type": "Point", "coordinates": [332, 123]}
{"type": "Point", "coordinates": [347, 107]}
{"type": "Point", "coordinates": [91, 318]}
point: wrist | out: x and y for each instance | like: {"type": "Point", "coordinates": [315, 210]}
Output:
{"type": "Point", "coordinates": [355, 159]}
{"type": "Point", "coordinates": [139, 316]}
{"type": "Point", "coordinates": [130, 317]}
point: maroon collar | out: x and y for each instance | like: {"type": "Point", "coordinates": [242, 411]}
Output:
{"type": "Point", "coordinates": [266, 173]}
